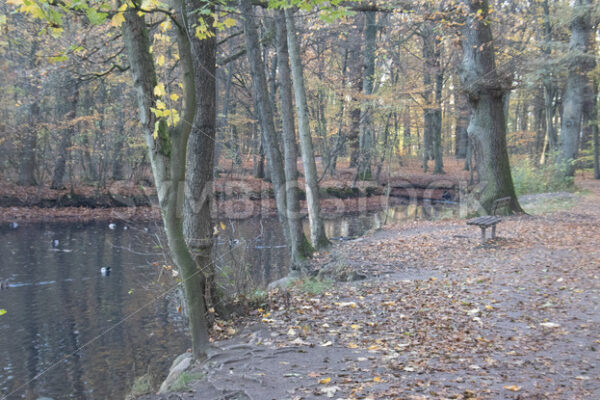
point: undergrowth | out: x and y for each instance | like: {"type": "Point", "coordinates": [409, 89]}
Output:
{"type": "Point", "coordinates": [528, 177]}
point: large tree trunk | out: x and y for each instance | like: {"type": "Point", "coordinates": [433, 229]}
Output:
{"type": "Point", "coordinates": [198, 59]}
{"type": "Point", "coordinates": [486, 91]}
{"type": "Point", "coordinates": [67, 112]}
{"type": "Point", "coordinates": [265, 113]}
{"type": "Point", "coordinates": [576, 81]}
{"type": "Point", "coordinates": [317, 232]}
{"type": "Point", "coordinates": [167, 156]}
{"type": "Point", "coordinates": [299, 245]}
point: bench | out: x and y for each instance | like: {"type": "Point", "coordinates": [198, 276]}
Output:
{"type": "Point", "coordinates": [490, 220]}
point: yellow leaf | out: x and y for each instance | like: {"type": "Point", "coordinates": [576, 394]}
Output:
{"type": "Point", "coordinates": [489, 307]}
{"type": "Point", "coordinates": [14, 2]}
{"type": "Point", "coordinates": [2, 311]}
{"type": "Point", "coordinates": [513, 388]}
{"type": "Point", "coordinates": [160, 105]}
{"type": "Point", "coordinates": [355, 326]}
{"type": "Point", "coordinates": [229, 22]}
{"type": "Point", "coordinates": [155, 133]}
{"type": "Point", "coordinates": [377, 379]}
{"type": "Point", "coordinates": [117, 20]}
{"type": "Point", "coordinates": [353, 345]}
{"type": "Point", "coordinates": [159, 90]}
{"type": "Point", "coordinates": [123, 7]}
{"type": "Point", "coordinates": [324, 381]}
{"type": "Point", "coordinates": [174, 97]}
{"type": "Point", "coordinates": [223, 227]}
{"type": "Point", "coordinates": [161, 60]}
{"type": "Point", "coordinates": [165, 25]}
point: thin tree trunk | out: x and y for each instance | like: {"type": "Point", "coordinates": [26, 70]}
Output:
{"type": "Point", "coordinates": [366, 138]}
{"type": "Point", "coordinates": [67, 113]}
{"type": "Point", "coordinates": [27, 165]}
{"type": "Point", "coordinates": [265, 113]}
{"type": "Point", "coordinates": [462, 121]}
{"type": "Point", "coordinates": [317, 231]}
{"type": "Point", "coordinates": [300, 247]}
{"type": "Point", "coordinates": [356, 82]}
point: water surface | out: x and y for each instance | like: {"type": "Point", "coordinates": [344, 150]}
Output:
{"type": "Point", "coordinates": [70, 332]}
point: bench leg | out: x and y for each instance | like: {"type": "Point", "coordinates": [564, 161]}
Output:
{"type": "Point", "coordinates": [482, 235]}
{"type": "Point", "coordinates": [493, 231]}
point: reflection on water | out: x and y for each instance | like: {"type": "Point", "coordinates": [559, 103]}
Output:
{"type": "Point", "coordinates": [58, 301]}
{"type": "Point", "coordinates": [70, 332]}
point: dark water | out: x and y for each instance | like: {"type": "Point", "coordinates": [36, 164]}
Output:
{"type": "Point", "coordinates": [70, 332]}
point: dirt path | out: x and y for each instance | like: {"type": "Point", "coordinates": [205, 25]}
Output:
{"type": "Point", "coordinates": [440, 317]}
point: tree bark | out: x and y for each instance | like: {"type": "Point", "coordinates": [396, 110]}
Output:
{"type": "Point", "coordinates": [576, 81]}
{"type": "Point", "coordinates": [486, 91]}
{"type": "Point", "coordinates": [265, 113]}
{"type": "Point", "coordinates": [67, 113]}
{"type": "Point", "coordinates": [317, 231]}
{"type": "Point", "coordinates": [300, 247]}
{"type": "Point", "coordinates": [27, 165]}
{"type": "Point", "coordinates": [366, 138]}
{"type": "Point", "coordinates": [432, 96]}
{"type": "Point", "coordinates": [167, 154]}
{"type": "Point", "coordinates": [356, 82]}
{"type": "Point", "coordinates": [462, 112]}
{"type": "Point", "coordinates": [198, 59]}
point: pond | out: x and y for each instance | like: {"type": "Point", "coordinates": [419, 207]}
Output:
{"type": "Point", "coordinates": [71, 332]}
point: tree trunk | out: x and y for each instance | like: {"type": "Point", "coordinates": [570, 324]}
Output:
{"type": "Point", "coordinates": [317, 231]}
{"type": "Point", "coordinates": [265, 113]}
{"type": "Point", "coordinates": [576, 81]}
{"type": "Point", "coordinates": [548, 84]}
{"type": "Point", "coordinates": [66, 115]}
{"type": "Point", "coordinates": [198, 59]}
{"type": "Point", "coordinates": [432, 96]}
{"type": "Point", "coordinates": [167, 157]}
{"type": "Point", "coordinates": [27, 165]}
{"type": "Point", "coordinates": [406, 122]}
{"type": "Point", "coordinates": [487, 127]}
{"type": "Point", "coordinates": [300, 247]}
{"type": "Point", "coordinates": [366, 138]}
{"type": "Point", "coordinates": [356, 82]}
{"type": "Point", "coordinates": [462, 112]}
{"type": "Point", "coordinates": [117, 172]}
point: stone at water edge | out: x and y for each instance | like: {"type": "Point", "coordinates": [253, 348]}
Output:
{"type": "Point", "coordinates": [179, 366]}
{"type": "Point", "coordinates": [283, 283]}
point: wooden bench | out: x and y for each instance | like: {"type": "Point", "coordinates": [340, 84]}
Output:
{"type": "Point", "coordinates": [490, 220]}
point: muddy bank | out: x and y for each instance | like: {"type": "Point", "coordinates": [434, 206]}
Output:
{"type": "Point", "coordinates": [235, 198]}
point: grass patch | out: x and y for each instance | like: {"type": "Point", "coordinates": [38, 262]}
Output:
{"type": "Point", "coordinates": [184, 380]}
{"type": "Point", "coordinates": [314, 286]}
{"type": "Point", "coordinates": [544, 206]}
{"type": "Point", "coordinates": [528, 177]}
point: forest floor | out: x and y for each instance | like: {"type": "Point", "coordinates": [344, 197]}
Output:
{"type": "Point", "coordinates": [439, 316]}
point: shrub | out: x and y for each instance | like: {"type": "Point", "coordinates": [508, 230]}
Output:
{"type": "Point", "coordinates": [531, 178]}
